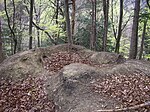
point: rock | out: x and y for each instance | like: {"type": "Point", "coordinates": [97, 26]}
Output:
{"type": "Point", "coordinates": [107, 58]}
{"type": "Point", "coordinates": [76, 93]}
{"type": "Point", "coordinates": [70, 88]}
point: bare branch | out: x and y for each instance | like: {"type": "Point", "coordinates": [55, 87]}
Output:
{"type": "Point", "coordinates": [11, 28]}
{"type": "Point", "coordinates": [126, 23]}
{"type": "Point", "coordinates": [42, 29]}
{"type": "Point", "coordinates": [126, 109]}
{"type": "Point", "coordinates": [148, 4]}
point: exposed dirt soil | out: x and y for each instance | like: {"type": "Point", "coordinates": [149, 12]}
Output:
{"type": "Point", "coordinates": [53, 79]}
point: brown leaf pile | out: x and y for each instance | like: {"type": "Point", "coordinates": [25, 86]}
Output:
{"type": "Point", "coordinates": [60, 59]}
{"type": "Point", "coordinates": [26, 95]}
{"type": "Point", "coordinates": [130, 89]}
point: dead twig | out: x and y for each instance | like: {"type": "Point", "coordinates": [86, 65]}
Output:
{"type": "Point", "coordinates": [127, 108]}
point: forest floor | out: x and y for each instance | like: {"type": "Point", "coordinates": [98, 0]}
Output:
{"type": "Point", "coordinates": [53, 79]}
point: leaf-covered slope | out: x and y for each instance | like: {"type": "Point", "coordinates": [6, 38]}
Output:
{"type": "Point", "coordinates": [80, 80]}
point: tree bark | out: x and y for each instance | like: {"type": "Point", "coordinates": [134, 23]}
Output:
{"type": "Point", "coordinates": [57, 17]}
{"type": "Point", "coordinates": [112, 19]}
{"type": "Point", "coordinates": [57, 10]}
{"type": "Point", "coordinates": [119, 27]}
{"type": "Point", "coordinates": [38, 14]}
{"type": "Point", "coordinates": [134, 36]}
{"type": "Point", "coordinates": [143, 38]}
{"type": "Point", "coordinates": [73, 18]}
{"type": "Point", "coordinates": [70, 42]}
{"type": "Point", "coordinates": [93, 34]}
{"type": "Point", "coordinates": [105, 11]}
{"type": "Point", "coordinates": [1, 48]}
{"type": "Point", "coordinates": [20, 28]}
{"type": "Point", "coordinates": [30, 23]}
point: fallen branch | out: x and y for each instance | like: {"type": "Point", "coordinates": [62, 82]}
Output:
{"type": "Point", "coordinates": [127, 108]}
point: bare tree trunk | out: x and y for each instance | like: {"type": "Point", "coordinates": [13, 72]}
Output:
{"type": "Point", "coordinates": [119, 28]}
{"type": "Point", "coordinates": [11, 28]}
{"type": "Point", "coordinates": [105, 10]}
{"type": "Point", "coordinates": [1, 48]}
{"type": "Point", "coordinates": [134, 36]}
{"type": "Point", "coordinates": [30, 24]}
{"type": "Point", "coordinates": [38, 27]}
{"type": "Point", "coordinates": [73, 17]}
{"type": "Point", "coordinates": [20, 27]}
{"type": "Point", "coordinates": [57, 10]}
{"type": "Point", "coordinates": [93, 34]}
{"type": "Point", "coordinates": [112, 19]}
{"type": "Point", "coordinates": [143, 38]}
{"type": "Point", "coordinates": [38, 14]}
{"type": "Point", "coordinates": [70, 42]}
{"type": "Point", "coordinates": [57, 16]}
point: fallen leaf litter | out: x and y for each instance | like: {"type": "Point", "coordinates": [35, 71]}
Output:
{"type": "Point", "coordinates": [129, 89]}
{"type": "Point", "coordinates": [26, 95]}
{"type": "Point", "coordinates": [58, 60]}
{"type": "Point", "coordinates": [29, 95]}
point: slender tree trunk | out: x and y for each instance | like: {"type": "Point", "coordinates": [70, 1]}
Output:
{"type": "Point", "coordinates": [11, 28]}
{"type": "Point", "coordinates": [14, 14]}
{"type": "Point", "coordinates": [73, 17]}
{"type": "Point", "coordinates": [30, 24]}
{"type": "Point", "coordinates": [134, 36]}
{"type": "Point", "coordinates": [20, 35]}
{"type": "Point", "coordinates": [57, 16]}
{"type": "Point", "coordinates": [1, 48]}
{"type": "Point", "coordinates": [38, 37]}
{"type": "Point", "coordinates": [119, 27]}
{"type": "Point", "coordinates": [112, 19]}
{"type": "Point", "coordinates": [38, 27]}
{"type": "Point", "coordinates": [93, 34]}
{"type": "Point", "coordinates": [57, 11]}
{"type": "Point", "coordinates": [105, 10]}
{"type": "Point", "coordinates": [20, 27]}
{"type": "Point", "coordinates": [70, 42]}
{"type": "Point", "coordinates": [143, 38]}
{"type": "Point", "coordinates": [38, 14]}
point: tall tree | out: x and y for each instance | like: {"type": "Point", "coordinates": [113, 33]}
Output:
{"type": "Point", "coordinates": [93, 32]}
{"type": "Point", "coordinates": [38, 14]}
{"type": "Point", "coordinates": [57, 2]}
{"type": "Point", "coordinates": [40, 28]}
{"type": "Point", "coordinates": [119, 28]}
{"type": "Point", "coordinates": [30, 23]}
{"type": "Point", "coordinates": [105, 11]}
{"type": "Point", "coordinates": [68, 28]}
{"type": "Point", "coordinates": [13, 25]}
{"type": "Point", "coordinates": [112, 20]}
{"type": "Point", "coordinates": [20, 25]}
{"type": "Point", "coordinates": [73, 17]}
{"type": "Point", "coordinates": [1, 49]}
{"type": "Point", "coordinates": [134, 36]}
{"type": "Point", "coordinates": [57, 11]}
{"type": "Point", "coordinates": [143, 38]}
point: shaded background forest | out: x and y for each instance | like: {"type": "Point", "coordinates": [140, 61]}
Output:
{"type": "Point", "coordinates": [101, 25]}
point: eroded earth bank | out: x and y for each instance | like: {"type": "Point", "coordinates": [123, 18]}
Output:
{"type": "Point", "coordinates": [55, 80]}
